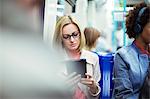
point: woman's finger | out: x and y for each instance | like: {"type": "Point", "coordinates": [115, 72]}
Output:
{"type": "Point", "coordinates": [87, 81]}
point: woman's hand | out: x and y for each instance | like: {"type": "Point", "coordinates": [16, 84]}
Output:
{"type": "Point", "coordinates": [90, 82]}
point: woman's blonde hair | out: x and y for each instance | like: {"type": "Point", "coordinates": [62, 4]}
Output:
{"type": "Point", "coordinates": [91, 36]}
{"type": "Point", "coordinates": [61, 22]}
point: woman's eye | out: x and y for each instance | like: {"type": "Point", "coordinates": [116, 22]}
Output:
{"type": "Point", "coordinates": [74, 34]}
{"type": "Point", "coordinates": [65, 36]}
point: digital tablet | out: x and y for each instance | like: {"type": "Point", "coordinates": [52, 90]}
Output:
{"type": "Point", "coordinates": [78, 66]}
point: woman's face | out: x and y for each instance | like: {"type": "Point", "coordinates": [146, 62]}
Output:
{"type": "Point", "coordinates": [146, 33]}
{"type": "Point", "coordinates": [71, 37]}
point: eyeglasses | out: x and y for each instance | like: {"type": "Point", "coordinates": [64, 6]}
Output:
{"type": "Point", "coordinates": [75, 35]}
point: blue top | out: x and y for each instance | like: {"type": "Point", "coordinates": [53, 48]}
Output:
{"type": "Point", "coordinates": [130, 69]}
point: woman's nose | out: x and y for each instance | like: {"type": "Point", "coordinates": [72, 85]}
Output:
{"type": "Point", "coordinates": [72, 39]}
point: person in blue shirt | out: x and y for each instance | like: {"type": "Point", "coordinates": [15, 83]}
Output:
{"type": "Point", "coordinates": [131, 62]}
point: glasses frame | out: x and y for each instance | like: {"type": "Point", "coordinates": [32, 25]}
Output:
{"type": "Point", "coordinates": [74, 35]}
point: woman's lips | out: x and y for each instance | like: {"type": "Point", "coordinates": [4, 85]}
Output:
{"type": "Point", "coordinates": [73, 45]}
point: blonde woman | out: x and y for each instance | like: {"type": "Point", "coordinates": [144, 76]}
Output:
{"type": "Point", "coordinates": [69, 37]}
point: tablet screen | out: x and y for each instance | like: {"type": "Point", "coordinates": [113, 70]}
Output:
{"type": "Point", "coordinates": [78, 66]}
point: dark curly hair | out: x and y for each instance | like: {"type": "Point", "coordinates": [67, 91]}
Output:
{"type": "Point", "coordinates": [132, 17]}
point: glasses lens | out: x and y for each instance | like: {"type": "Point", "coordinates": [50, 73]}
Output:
{"type": "Point", "coordinates": [75, 35]}
{"type": "Point", "coordinates": [66, 36]}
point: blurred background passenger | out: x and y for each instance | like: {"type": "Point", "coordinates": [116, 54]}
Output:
{"type": "Point", "coordinates": [27, 65]}
{"type": "Point", "coordinates": [131, 62]}
{"type": "Point", "coordinates": [102, 45]}
{"type": "Point", "coordinates": [91, 37]}
{"type": "Point", "coordinates": [95, 41]}
{"type": "Point", "coordinates": [119, 35]}
{"type": "Point", "coordinates": [24, 15]}
{"type": "Point", "coordinates": [69, 37]}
